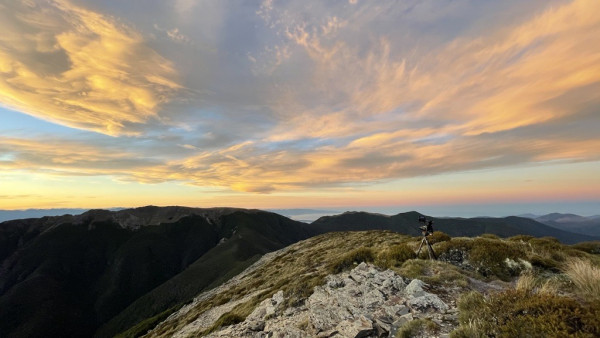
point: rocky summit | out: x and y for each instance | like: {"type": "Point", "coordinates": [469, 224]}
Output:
{"type": "Point", "coordinates": [364, 302]}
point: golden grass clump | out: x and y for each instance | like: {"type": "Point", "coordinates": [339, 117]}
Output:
{"type": "Point", "coordinates": [585, 277]}
{"type": "Point", "coordinates": [526, 282]}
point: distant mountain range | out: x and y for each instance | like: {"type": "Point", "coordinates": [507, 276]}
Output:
{"type": "Point", "coordinates": [101, 272]}
{"type": "Point", "coordinates": [7, 215]}
{"type": "Point", "coordinates": [570, 222]}
{"type": "Point", "coordinates": [406, 223]}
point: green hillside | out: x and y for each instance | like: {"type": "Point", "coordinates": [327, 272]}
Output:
{"type": "Point", "coordinates": [68, 279]}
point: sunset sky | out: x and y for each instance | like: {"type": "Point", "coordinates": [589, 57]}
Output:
{"type": "Point", "coordinates": [300, 104]}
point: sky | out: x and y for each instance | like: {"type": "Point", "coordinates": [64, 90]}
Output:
{"type": "Point", "coordinates": [466, 105]}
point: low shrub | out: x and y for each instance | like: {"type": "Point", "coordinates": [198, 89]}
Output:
{"type": "Point", "coordinates": [520, 238]}
{"type": "Point", "coordinates": [489, 257]}
{"type": "Point", "coordinates": [454, 251]}
{"type": "Point", "coordinates": [438, 237]}
{"type": "Point", "coordinates": [395, 256]}
{"type": "Point", "coordinates": [490, 236]}
{"type": "Point", "coordinates": [347, 261]}
{"type": "Point", "coordinates": [549, 249]}
{"type": "Point", "coordinates": [592, 247]}
{"type": "Point", "coordinates": [550, 243]}
{"type": "Point", "coordinates": [433, 272]}
{"type": "Point", "coordinates": [521, 313]}
{"type": "Point", "coordinates": [418, 327]}
{"type": "Point", "coordinates": [544, 263]}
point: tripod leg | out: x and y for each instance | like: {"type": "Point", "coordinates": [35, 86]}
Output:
{"type": "Point", "coordinates": [420, 246]}
{"type": "Point", "coordinates": [430, 250]}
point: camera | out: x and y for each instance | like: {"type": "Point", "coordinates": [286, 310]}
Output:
{"type": "Point", "coordinates": [427, 227]}
{"type": "Point", "coordinates": [426, 230]}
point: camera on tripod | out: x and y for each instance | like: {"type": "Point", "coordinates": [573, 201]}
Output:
{"type": "Point", "coordinates": [426, 230]}
{"type": "Point", "coordinates": [427, 227]}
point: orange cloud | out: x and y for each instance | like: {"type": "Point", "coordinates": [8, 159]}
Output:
{"type": "Point", "coordinates": [66, 64]}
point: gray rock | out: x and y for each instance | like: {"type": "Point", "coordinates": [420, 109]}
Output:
{"type": "Point", "coordinates": [364, 302]}
{"type": "Point", "coordinates": [355, 328]}
{"type": "Point", "coordinates": [415, 288]}
{"type": "Point", "coordinates": [335, 282]}
{"type": "Point", "coordinates": [256, 326]}
{"type": "Point", "coordinates": [426, 302]}
{"type": "Point", "coordinates": [402, 320]}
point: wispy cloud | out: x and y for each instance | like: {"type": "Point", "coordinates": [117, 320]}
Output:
{"type": "Point", "coordinates": [286, 96]}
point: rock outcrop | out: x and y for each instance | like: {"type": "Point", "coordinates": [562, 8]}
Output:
{"type": "Point", "coordinates": [364, 302]}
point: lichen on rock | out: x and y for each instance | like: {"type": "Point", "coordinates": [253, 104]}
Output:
{"type": "Point", "coordinates": [363, 302]}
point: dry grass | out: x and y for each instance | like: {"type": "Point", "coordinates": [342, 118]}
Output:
{"type": "Point", "coordinates": [526, 282]}
{"type": "Point", "coordinates": [585, 276]}
{"type": "Point", "coordinates": [551, 286]}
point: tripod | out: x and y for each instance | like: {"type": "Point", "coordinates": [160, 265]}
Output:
{"type": "Point", "coordinates": [429, 248]}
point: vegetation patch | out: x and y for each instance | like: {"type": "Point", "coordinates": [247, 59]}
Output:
{"type": "Point", "coordinates": [353, 258]}
{"type": "Point", "coordinates": [592, 247]}
{"type": "Point", "coordinates": [489, 236]}
{"type": "Point", "coordinates": [395, 256]}
{"type": "Point", "coordinates": [418, 327]}
{"type": "Point", "coordinates": [438, 237]}
{"type": "Point", "coordinates": [523, 313]}
{"type": "Point", "coordinates": [585, 276]}
{"type": "Point", "coordinates": [520, 238]}
{"type": "Point", "coordinates": [434, 272]}
{"type": "Point", "coordinates": [490, 258]}
{"type": "Point", "coordinates": [144, 326]}
{"type": "Point", "coordinates": [225, 320]}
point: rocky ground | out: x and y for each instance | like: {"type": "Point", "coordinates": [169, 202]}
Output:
{"type": "Point", "coordinates": [332, 286]}
{"type": "Point", "coordinates": [364, 302]}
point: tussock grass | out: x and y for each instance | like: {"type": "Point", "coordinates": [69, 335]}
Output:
{"type": "Point", "coordinates": [353, 258]}
{"type": "Point", "coordinates": [521, 313]}
{"type": "Point", "coordinates": [585, 276]}
{"type": "Point", "coordinates": [551, 286]}
{"type": "Point", "coordinates": [526, 282]}
{"type": "Point", "coordinates": [395, 256]}
{"type": "Point", "coordinates": [417, 327]}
